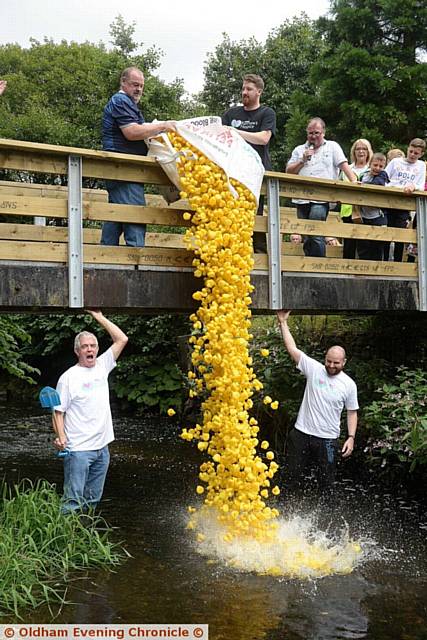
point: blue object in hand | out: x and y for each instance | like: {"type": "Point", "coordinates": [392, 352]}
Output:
{"type": "Point", "coordinates": [49, 398]}
{"type": "Point", "coordinates": [63, 454]}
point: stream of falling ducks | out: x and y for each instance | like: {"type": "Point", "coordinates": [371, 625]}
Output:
{"type": "Point", "coordinates": [235, 521]}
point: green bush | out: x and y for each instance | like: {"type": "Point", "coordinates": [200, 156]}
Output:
{"type": "Point", "coordinates": [397, 421]}
{"type": "Point", "coordinates": [149, 383]}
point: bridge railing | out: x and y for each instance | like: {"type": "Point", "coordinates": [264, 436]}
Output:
{"type": "Point", "coordinates": [78, 247]}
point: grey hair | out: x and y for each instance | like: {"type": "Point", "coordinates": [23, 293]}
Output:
{"type": "Point", "coordinates": [80, 335]}
{"type": "Point", "coordinates": [319, 120]}
{"type": "Point", "coordinates": [126, 73]}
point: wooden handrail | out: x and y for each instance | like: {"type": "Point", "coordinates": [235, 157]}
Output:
{"type": "Point", "coordinates": [37, 157]}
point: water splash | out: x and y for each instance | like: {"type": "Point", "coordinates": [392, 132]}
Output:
{"type": "Point", "coordinates": [300, 549]}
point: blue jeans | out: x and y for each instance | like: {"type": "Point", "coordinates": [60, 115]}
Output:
{"type": "Point", "coordinates": [314, 245]}
{"type": "Point", "coordinates": [124, 193]}
{"type": "Point", "coordinates": [84, 478]}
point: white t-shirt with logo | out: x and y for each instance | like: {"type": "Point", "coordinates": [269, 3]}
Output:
{"type": "Point", "coordinates": [325, 163]}
{"type": "Point", "coordinates": [324, 399]}
{"type": "Point", "coordinates": [401, 173]}
{"type": "Point", "coordinates": [85, 400]}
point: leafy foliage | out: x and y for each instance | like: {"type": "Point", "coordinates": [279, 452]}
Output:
{"type": "Point", "coordinates": [149, 376]}
{"type": "Point", "coordinates": [57, 91]}
{"type": "Point", "coordinates": [12, 339]}
{"type": "Point", "coordinates": [371, 80]}
{"type": "Point", "coordinates": [149, 384]}
{"type": "Point", "coordinates": [397, 420]}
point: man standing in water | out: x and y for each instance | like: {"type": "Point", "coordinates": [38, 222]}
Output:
{"type": "Point", "coordinates": [82, 422]}
{"type": "Point", "coordinates": [314, 439]}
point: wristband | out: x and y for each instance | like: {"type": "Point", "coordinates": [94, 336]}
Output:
{"type": "Point", "coordinates": [350, 436]}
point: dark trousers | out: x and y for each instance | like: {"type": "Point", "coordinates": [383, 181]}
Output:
{"type": "Point", "coordinates": [306, 452]}
{"type": "Point", "coordinates": [372, 249]}
{"type": "Point", "coordinates": [398, 219]}
{"type": "Point", "coordinates": [349, 244]}
{"type": "Point", "coordinates": [260, 239]}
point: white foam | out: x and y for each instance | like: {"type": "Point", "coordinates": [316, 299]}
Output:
{"type": "Point", "coordinates": [300, 549]}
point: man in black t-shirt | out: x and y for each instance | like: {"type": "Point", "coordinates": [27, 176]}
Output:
{"type": "Point", "coordinates": [256, 124]}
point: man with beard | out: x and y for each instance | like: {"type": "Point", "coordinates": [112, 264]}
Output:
{"type": "Point", "coordinates": [315, 438]}
{"type": "Point", "coordinates": [256, 124]}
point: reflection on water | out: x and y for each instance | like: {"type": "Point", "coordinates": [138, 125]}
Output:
{"type": "Point", "coordinates": [151, 482]}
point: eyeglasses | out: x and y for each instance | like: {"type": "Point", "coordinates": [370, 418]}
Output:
{"type": "Point", "coordinates": [361, 149]}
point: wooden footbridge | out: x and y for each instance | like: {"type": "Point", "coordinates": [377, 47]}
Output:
{"type": "Point", "coordinates": [51, 259]}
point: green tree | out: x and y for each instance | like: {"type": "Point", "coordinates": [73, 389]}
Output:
{"type": "Point", "coordinates": [122, 35]}
{"type": "Point", "coordinates": [13, 337]}
{"type": "Point", "coordinates": [57, 91]}
{"type": "Point", "coordinates": [224, 71]}
{"type": "Point", "coordinates": [372, 79]}
{"type": "Point", "coordinates": [290, 51]}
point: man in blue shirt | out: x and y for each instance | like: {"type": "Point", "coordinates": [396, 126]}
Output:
{"type": "Point", "coordinates": [124, 131]}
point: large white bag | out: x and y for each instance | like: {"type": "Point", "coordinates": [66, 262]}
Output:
{"type": "Point", "coordinates": [221, 144]}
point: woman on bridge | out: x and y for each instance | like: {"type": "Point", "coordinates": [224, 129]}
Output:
{"type": "Point", "coordinates": [360, 155]}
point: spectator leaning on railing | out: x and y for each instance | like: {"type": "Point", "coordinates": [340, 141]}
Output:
{"type": "Point", "coordinates": [360, 156]}
{"type": "Point", "coordinates": [409, 174]}
{"type": "Point", "coordinates": [374, 216]}
{"type": "Point", "coordinates": [318, 158]}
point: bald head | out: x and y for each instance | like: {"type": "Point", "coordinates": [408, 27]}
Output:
{"type": "Point", "coordinates": [335, 360]}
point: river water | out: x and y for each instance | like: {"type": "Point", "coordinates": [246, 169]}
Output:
{"type": "Point", "coordinates": [150, 483]}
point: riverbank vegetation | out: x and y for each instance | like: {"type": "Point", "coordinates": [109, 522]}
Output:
{"type": "Point", "coordinates": [41, 550]}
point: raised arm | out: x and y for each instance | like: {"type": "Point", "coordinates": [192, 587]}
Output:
{"type": "Point", "coordinates": [118, 337]}
{"type": "Point", "coordinates": [292, 349]}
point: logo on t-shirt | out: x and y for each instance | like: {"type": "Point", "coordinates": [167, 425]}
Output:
{"type": "Point", "coordinates": [92, 384]}
{"type": "Point", "coordinates": [328, 387]}
{"type": "Point", "coordinates": [236, 123]}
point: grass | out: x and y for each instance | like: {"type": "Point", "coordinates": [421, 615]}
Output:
{"type": "Point", "coordinates": [41, 549]}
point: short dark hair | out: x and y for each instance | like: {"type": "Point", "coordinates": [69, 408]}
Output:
{"type": "Point", "coordinates": [256, 80]}
{"type": "Point", "coordinates": [419, 143]}
{"type": "Point", "coordinates": [378, 156]}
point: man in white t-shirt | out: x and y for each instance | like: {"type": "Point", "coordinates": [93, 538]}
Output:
{"type": "Point", "coordinates": [317, 158]}
{"type": "Point", "coordinates": [315, 438]}
{"type": "Point", "coordinates": [82, 422]}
